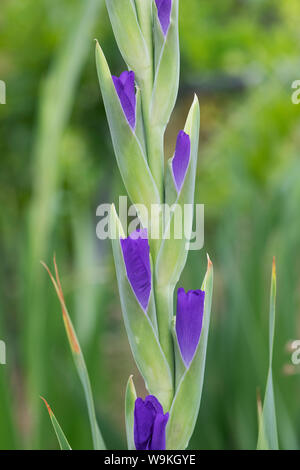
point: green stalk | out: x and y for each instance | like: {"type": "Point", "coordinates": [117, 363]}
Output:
{"type": "Point", "coordinates": [154, 135]}
{"type": "Point", "coordinates": [144, 9]}
{"type": "Point", "coordinates": [155, 150]}
{"type": "Point", "coordinates": [164, 312]}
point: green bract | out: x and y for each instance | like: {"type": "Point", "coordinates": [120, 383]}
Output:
{"type": "Point", "coordinates": [128, 34]}
{"type": "Point", "coordinates": [173, 252]}
{"type": "Point", "coordinates": [186, 403]}
{"type": "Point", "coordinates": [130, 398]}
{"type": "Point", "coordinates": [131, 159]}
{"type": "Point", "coordinates": [166, 81]}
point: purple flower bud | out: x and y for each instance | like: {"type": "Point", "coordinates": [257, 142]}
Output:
{"type": "Point", "coordinates": [149, 424]}
{"type": "Point", "coordinates": [164, 13]}
{"type": "Point", "coordinates": [181, 159]}
{"type": "Point", "coordinates": [136, 250]}
{"type": "Point", "coordinates": [126, 92]}
{"type": "Point", "coordinates": [189, 318]}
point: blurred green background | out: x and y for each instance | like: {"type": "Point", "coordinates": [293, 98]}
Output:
{"type": "Point", "coordinates": [57, 165]}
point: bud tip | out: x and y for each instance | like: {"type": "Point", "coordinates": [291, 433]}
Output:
{"type": "Point", "coordinates": [209, 262]}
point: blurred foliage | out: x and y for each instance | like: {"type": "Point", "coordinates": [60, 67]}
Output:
{"type": "Point", "coordinates": [241, 57]}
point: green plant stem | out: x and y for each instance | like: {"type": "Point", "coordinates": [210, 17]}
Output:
{"type": "Point", "coordinates": [164, 312]}
{"type": "Point", "coordinates": [155, 146]}
{"type": "Point", "coordinates": [154, 133]}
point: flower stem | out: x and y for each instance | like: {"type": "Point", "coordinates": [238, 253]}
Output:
{"type": "Point", "coordinates": [164, 312]}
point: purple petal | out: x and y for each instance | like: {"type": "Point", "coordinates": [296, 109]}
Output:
{"type": "Point", "coordinates": [135, 250]}
{"type": "Point", "coordinates": [189, 318]}
{"type": "Point", "coordinates": [181, 159]}
{"type": "Point", "coordinates": [158, 441]}
{"type": "Point", "coordinates": [125, 89]}
{"type": "Point", "coordinates": [149, 424]}
{"type": "Point", "coordinates": [155, 403]}
{"type": "Point", "coordinates": [144, 417]}
{"type": "Point", "coordinates": [164, 13]}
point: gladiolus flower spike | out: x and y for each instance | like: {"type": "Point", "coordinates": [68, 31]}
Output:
{"type": "Point", "coordinates": [164, 343]}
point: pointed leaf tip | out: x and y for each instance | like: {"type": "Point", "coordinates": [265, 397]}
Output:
{"type": "Point", "coordinates": [274, 267]}
{"type": "Point", "coordinates": [209, 262]}
{"type": "Point", "coordinates": [259, 401]}
{"type": "Point", "coordinates": [195, 100]}
{"type": "Point", "coordinates": [47, 406]}
{"type": "Point", "coordinates": [130, 397]}
{"type": "Point", "coordinates": [62, 440]}
{"type": "Point", "coordinates": [131, 378]}
{"type": "Point", "coordinates": [68, 325]}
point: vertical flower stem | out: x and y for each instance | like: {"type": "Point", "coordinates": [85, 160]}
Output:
{"type": "Point", "coordinates": [144, 12]}
{"type": "Point", "coordinates": [154, 132]}
{"type": "Point", "coordinates": [155, 152]}
{"type": "Point", "coordinates": [155, 146]}
{"type": "Point", "coordinates": [164, 311]}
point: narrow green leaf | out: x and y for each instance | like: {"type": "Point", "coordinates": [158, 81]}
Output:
{"type": "Point", "coordinates": [62, 440]}
{"type": "Point", "coordinates": [185, 407]}
{"type": "Point", "coordinates": [130, 398]}
{"type": "Point", "coordinates": [79, 361]}
{"type": "Point", "coordinates": [142, 336]}
{"type": "Point", "coordinates": [268, 436]}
